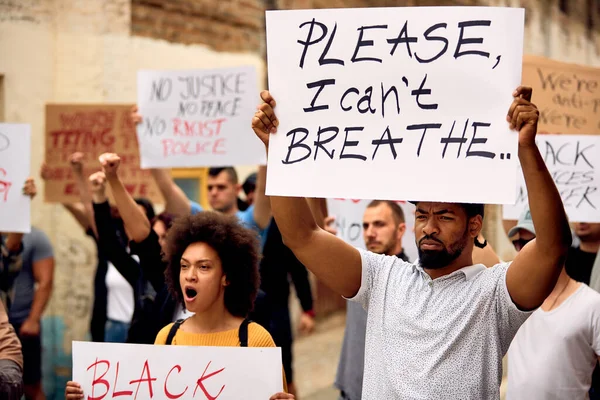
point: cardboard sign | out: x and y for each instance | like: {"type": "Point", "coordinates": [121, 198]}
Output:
{"type": "Point", "coordinates": [136, 371]}
{"type": "Point", "coordinates": [349, 223]}
{"type": "Point", "coordinates": [394, 103]}
{"type": "Point", "coordinates": [198, 118]}
{"type": "Point", "coordinates": [92, 130]}
{"type": "Point", "coordinates": [15, 157]}
{"type": "Point", "coordinates": [572, 162]}
{"type": "Point", "coordinates": [567, 95]}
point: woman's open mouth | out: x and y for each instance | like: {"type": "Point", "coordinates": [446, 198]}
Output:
{"type": "Point", "coordinates": [190, 294]}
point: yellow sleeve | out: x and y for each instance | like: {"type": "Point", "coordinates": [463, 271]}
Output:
{"type": "Point", "coordinates": [161, 338]}
{"type": "Point", "coordinates": [260, 337]}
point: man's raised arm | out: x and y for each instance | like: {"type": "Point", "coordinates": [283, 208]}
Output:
{"type": "Point", "coordinates": [534, 271]}
{"type": "Point", "coordinates": [331, 259]}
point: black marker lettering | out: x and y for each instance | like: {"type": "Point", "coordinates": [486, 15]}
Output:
{"type": "Point", "coordinates": [403, 38]}
{"type": "Point", "coordinates": [320, 84]}
{"type": "Point", "coordinates": [295, 144]}
{"type": "Point", "coordinates": [438, 38]}
{"type": "Point", "coordinates": [366, 99]}
{"type": "Point", "coordinates": [319, 143]}
{"type": "Point", "coordinates": [462, 140]}
{"type": "Point", "coordinates": [422, 91]}
{"type": "Point", "coordinates": [351, 90]}
{"type": "Point", "coordinates": [351, 144]}
{"type": "Point", "coordinates": [462, 40]}
{"type": "Point", "coordinates": [391, 141]}
{"type": "Point", "coordinates": [424, 127]}
{"type": "Point", "coordinates": [384, 96]}
{"type": "Point", "coordinates": [322, 59]}
{"type": "Point", "coordinates": [308, 42]}
{"type": "Point", "coordinates": [364, 43]}
{"type": "Point", "coordinates": [485, 154]}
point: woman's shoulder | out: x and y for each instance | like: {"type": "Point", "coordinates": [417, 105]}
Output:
{"type": "Point", "coordinates": [161, 338]}
{"type": "Point", "coordinates": [259, 336]}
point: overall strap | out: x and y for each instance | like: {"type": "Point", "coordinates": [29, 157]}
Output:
{"type": "Point", "coordinates": [243, 333]}
{"type": "Point", "coordinates": [173, 331]}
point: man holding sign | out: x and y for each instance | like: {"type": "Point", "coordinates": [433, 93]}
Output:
{"type": "Point", "coordinates": [429, 320]}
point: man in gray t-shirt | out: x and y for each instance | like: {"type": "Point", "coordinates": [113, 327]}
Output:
{"type": "Point", "coordinates": [29, 303]}
{"type": "Point", "coordinates": [437, 328]}
{"type": "Point", "coordinates": [383, 228]}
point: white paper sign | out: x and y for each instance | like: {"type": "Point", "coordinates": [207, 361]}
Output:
{"type": "Point", "coordinates": [15, 157]}
{"type": "Point", "coordinates": [198, 118]}
{"type": "Point", "coordinates": [573, 162]}
{"type": "Point", "coordinates": [349, 218]}
{"type": "Point", "coordinates": [172, 372]}
{"type": "Point", "coordinates": [394, 103]}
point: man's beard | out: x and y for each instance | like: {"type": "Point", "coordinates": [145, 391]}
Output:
{"type": "Point", "coordinates": [437, 259]}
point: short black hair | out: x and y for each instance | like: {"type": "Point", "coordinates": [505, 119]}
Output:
{"type": "Point", "coordinates": [249, 184]}
{"type": "Point", "coordinates": [396, 209]}
{"type": "Point", "coordinates": [237, 247]}
{"type": "Point", "coordinates": [166, 218]}
{"type": "Point", "coordinates": [233, 176]}
{"type": "Point", "coordinates": [148, 206]}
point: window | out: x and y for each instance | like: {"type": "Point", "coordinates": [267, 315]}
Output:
{"type": "Point", "coordinates": [193, 183]}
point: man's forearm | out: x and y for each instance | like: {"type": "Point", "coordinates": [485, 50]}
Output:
{"type": "Point", "coordinates": [40, 300]}
{"type": "Point", "coordinates": [553, 234]}
{"type": "Point", "coordinates": [294, 219]}
{"type": "Point", "coordinates": [262, 205]}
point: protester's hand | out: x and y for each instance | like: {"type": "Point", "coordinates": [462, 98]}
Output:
{"type": "Point", "coordinates": [330, 225]}
{"type": "Point", "coordinates": [76, 161]}
{"type": "Point", "coordinates": [134, 116]}
{"type": "Point", "coordinates": [523, 116]}
{"type": "Point", "coordinates": [307, 324]}
{"type": "Point", "coordinates": [98, 184]}
{"type": "Point", "coordinates": [278, 396]}
{"type": "Point", "coordinates": [264, 121]}
{"type": "Point", "coordinates": [73, 391]}
{"type": "Point", "coordinates": [110, 164]}
{"type": "Point", "coordinates": [45, 171]}
{"type": "Point", "coordinates": [29, 188]}
{"type": "Point", "coordinates": [30, 327]}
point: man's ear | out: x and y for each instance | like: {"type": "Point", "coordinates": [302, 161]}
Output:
{"type": "Point", "coordinates": [401, 230]}
{"type": "Point", "coordinates": [475, 226]}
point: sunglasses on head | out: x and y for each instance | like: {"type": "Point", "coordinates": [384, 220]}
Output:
{"type": "Point", "coordinates": [520, 243]}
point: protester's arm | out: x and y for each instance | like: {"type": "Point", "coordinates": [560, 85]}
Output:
{"type": "Point", "coordinates": [331, 259]}
{"type": "Point", "coordinates": [153, 267]}
{"type": "Point", "coordinates": [107, 236]}
{"type": "Point", "coordinates": [85, 196]}
{"type": "Point", "coordinates": [176, 201]}
{"type": "Point", "coordinates": [136, 222]}
{"type": "Point", "coordinates": [43, 274]}
{"type": "Point", "coordinates": [77, 210]}
{"type": "Point", "coordinates": [262, 205]}
{"type": "Point", "coordinates": [318, 207]}
{"type": "Point", "coordinates": [534, 271]}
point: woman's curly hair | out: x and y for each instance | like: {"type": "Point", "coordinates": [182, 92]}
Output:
{"type": "Point", "coordinates": [237, 247]}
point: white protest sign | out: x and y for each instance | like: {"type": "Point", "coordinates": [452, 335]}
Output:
{"type": "Point", "coordinates": [394, 103]}
{"type": "Point", "coordinates": [198, 118]}
{"type": "Point", "coordinates": [172, 372]}
{"type": "Point", "coordinates": [15, 157]}
{"type": "Point", "coordinates": [572, 161]}
{"type": "Point", "coordinates": [349, 218]}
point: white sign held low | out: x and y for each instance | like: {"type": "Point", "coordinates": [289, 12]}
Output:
{"type": "Point", "coordinates": [108, 370]}
{"type": "Point", "coordinates": [15, 157]}
{"type": "Point", "coordinates": [573, 162]}
{"type": "Point", "coordinates": [198, 118]}
{"type": "Point", "coordinates": [394, 103]}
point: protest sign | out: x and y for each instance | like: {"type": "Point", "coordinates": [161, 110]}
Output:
{"type": "Point", "coordinates": [567, 95]}
{"type": "Point", "coordinates": [349, 223]}
{"type": "Point", "coordinates": [572, 161]}
{"type": "Point", "coordinates": [394, 103]}
{"type": "Point", "coordinates": [198, 118]}
{"type": "Point", "coordinates": [92, 130]}
{"type": "Point", "coordinates": [108, 370]}
{"type": "Point", "coordinates": [15, 156]}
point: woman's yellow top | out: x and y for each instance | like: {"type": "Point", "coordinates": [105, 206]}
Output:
{"type": "Point", "coordinates": [257, 337]}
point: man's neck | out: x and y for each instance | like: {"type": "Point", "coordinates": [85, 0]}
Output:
{"type": "Point", "coordinates": [589, 247]}
{"type": "Point", "coordinates": [464, 261]}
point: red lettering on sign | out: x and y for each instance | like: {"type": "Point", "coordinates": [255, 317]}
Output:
{"type": "Point", "coordinates": [191, 148]}
{"type": "Point", "coordinates": [148, 379]}
{"type": "Point", "coordinates": [123, 392]}
{"type": "Point", "coordinates": [4, 185]}
{"type": "Point", "coordinates": [200, 383]}
{"type": "Point", "coordinates": [70, 188]}
{"type": "Point", "coordinates": [208, 129]}
{"type": "Point", "coordinates": [169, 394]}
{"type": "Point", "coordinates": [99, 380]}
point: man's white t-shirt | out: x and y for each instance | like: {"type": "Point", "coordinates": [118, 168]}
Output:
{"type": "Point", "coordinates": [554, 353]}
{"type": "Point", "coordinates": [435, 339]}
